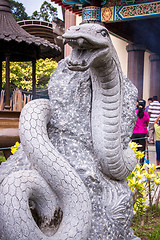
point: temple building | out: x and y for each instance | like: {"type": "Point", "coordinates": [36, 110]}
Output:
{"type": "Point", "coordinates": [134, 28]}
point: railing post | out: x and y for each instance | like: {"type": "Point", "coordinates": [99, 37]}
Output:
{"type": "Point", "coordinates": [34, 78]}
{"type": "Point", "coordinates": [7, 88]}
{"type": "Point", "coordinates": [0, 75]}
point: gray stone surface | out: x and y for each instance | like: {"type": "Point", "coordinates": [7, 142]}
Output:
{"type": "Point", "coordinates": [76, 151]}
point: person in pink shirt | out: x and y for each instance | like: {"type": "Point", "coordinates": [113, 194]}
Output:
{"type": "Point", "coordinates": [140, 129]}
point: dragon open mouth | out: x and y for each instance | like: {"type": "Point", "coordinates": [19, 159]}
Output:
{"type": "Point", "coordinates": [82, 55]}
{"type": "Point", "coordinates": [80, 58]}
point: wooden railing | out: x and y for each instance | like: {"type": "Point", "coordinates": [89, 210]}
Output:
{"type": "Point", "coordinates": [9, 120]}
{"type": "Point", "coordinates": [2, 100]}
{"type": "Point", "coordinates": [17, 101]}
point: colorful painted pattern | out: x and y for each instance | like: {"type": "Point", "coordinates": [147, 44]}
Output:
{"type": "Point", "coordinates": [126, 12]}
{"type": "Point", "coordinates": [91, 14]}
{"type": "Point", "coordinates": [111, 3]}
{"type": "Point", "coordinates": [105, 3]}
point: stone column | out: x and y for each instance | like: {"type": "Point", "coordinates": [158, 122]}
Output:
{"type": "Point", "coordinates": [154, 75]}
{"type": "Point", "coordinates": [136, 66]}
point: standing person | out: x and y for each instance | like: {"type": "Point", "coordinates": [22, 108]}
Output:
{"type": "Point", "coordinates": [157, 131]}
{"type": "Point", "coordinates": [140, 129]}
{"type": "Point", "coordinates": [150, 100]}
{"type": "Point", "coordinates": [137, 104]}
{"type": "Point", "coordinates": [154, 111]}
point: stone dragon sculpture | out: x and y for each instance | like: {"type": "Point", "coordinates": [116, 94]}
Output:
{"type": "Point", "coordinates": [75, 151]}
{"type": "Point", "coordinates": [92, 49]}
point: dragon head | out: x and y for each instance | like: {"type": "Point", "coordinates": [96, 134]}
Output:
{"type": "Point", "coordinates": [89, 42]}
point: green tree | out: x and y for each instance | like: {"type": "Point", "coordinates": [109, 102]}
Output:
{"type": "Point", "coordinates": [35, 15]}
{"type": "Point", "coordinates": [21, 73]}
{"type": "Point", "coordinates": [18, 11]}
{"type": "Point", "coordinates": [47, 12]}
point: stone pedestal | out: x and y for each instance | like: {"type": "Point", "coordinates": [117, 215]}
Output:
{"type": "Point", "coordinates": [155, 75]}
{"type": "Point", "coordinates": [136, 66]}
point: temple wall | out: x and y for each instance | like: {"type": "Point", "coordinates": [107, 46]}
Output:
{"type": "Point", "coordinates": [120, 47]}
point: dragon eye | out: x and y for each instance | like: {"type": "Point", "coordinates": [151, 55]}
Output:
{"type": "Point", "coordinates": [104, 33]}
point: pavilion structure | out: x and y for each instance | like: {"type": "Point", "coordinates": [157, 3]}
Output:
{"type": "Point", "coordinates": [136, 21]}
{"type": "Point", "coordinates": [18, 45]}
{"type": "Point", "coordinates": [50, 31]}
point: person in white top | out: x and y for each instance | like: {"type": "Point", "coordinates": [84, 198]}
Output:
{"type": "Point", "coordinates": [153, 111]}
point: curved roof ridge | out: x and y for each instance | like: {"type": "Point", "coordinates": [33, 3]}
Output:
{"type": "Point", "coordinates": [9, 25]}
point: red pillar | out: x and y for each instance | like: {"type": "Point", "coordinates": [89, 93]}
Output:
{"type": "Point", "coordinates": [154, 75]}
{"type": "Point", "coordinates": [70, 20]}
{"type": "Point", "coordinates": [136, 66]}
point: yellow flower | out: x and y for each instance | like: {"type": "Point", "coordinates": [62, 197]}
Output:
{"type": "Point", "coordinates": [135, 146]}
{"type": "Point", "coordinates": [157, 181]}
{"type": "Point", "coordinates": [139, 175]}
{"type": "Point", "coordinates": [14, 148]}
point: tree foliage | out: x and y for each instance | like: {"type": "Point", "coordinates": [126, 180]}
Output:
{"type": "Point", "coordinates": [21, 73]}
{"type": "Point", "coordinates": [18, 11]}
{"type": "Point", "coordinates": [47, 12]}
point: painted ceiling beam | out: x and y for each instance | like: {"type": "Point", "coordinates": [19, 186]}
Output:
{"type": "Point", "coordinates": [130, 11]}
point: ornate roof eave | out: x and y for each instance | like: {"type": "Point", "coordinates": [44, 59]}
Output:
{"type": "Point", "coordinates": [12, 34]}
{"type": "Point", "coordinates": [76, 5]}
{"type": "Point", "coordinates": [83, 8]}
{"type": "Point", "coordinates": [76, 10]}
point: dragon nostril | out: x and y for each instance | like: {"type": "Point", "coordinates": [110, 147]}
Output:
{"type": "Point", "coordinates": [84, 63]}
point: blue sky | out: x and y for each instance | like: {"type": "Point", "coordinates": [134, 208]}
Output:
{"type": "Point", "coordinates": [33, 5]}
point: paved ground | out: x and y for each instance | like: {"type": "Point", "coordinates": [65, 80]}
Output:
{"type": "Point", "coordinates": [152, 160]}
